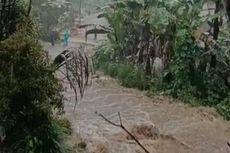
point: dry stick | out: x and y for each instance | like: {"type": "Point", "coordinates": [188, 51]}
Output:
{"type": "Point", "coordinates": [76, 78]}
{"type": "Point", "coordinates": [81, 80]}
{"type": "Point", "coordinates": [86, 70]}
{"type": "Point", "coordinates": [93, 66]}
{"type": "Point", "coordinates": [77, 72]}
{"type": "Point", "coordinates": [71, 85]}
{"type": "Point", "coordinates": [122, 126]}
{"type": "Point", "coordinates": [90, 71]}
{"type": "Point", "coordinates": [81, 70]}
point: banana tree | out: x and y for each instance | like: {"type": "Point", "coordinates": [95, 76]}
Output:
{"type": "Point", "coordinates": [145, 29]}
{"type": "Point", "coordinates": [121, 16]}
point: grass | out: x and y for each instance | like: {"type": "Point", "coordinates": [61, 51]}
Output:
{"type": "Point", "coordinates": [128, 75]}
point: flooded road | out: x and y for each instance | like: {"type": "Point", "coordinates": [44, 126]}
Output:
{"type": "Point", "coordinates": [161, 124]}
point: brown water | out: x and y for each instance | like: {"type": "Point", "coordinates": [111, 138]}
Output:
{"type": "Point", "coordinates": [161, 124]}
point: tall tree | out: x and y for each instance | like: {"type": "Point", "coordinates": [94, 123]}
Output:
{"type": "Point", "coordinates": [10, 15]}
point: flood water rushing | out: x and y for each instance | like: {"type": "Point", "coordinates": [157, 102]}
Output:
{"type": "Point", "coordinates": [161, 124]}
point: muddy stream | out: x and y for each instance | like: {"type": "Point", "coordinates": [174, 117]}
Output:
{"type": "Point", "coordinates": [161, 124]}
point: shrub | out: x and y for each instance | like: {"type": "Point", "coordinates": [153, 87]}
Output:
{"type": "Point", "coordinates": [169, 31]}
{"type": "Point", "coordinates": [47, 138]}
{"type": "Point", "coordinates": [29, 91]}
{"type": "Point", "coordinates": [127, 74]}
{"type": "Point", "coordinates": [224, 108]}
{"type": "Point", "coordinates": [65, 123]}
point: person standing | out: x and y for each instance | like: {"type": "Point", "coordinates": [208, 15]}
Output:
{"type": "Point", "coordinates": [66, 38]}
{"type": "Point", "coordinates": [95, 35]}
{"type": "Point", "coordinates": [52, 36]}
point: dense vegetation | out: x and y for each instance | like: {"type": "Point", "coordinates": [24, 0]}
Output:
{"type": "Point", "coordinates": [29, 89]}
{"type": "Point", "coordinates": [88, 6]}
{"type": "Point", "coordinates": [11, 13]}
{"type": "Point", "coordinates": [52, 16]}
{"type": "Point", "coordinates": [152, 45]}
{"type": "Point", "coordinates": [139, 33]}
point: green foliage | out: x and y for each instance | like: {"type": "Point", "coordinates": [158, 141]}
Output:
{"type": "Point", "coordinates": [144, 30]}
{"type": "Point", "coordinates": [29, 92]}
{"type": "Point", "coordinates": [29, 89]}
{"type": "Point", "coordinates": [52, 16]}
{"type": "Point", "coordinates": [65, 123]}
{"type": "Point", "coordinates": [46, 138]}
{"type": "Point", "coordinates": [194, 77]}
{"type": "Point", "coordinates": [12, 13]}
{"type": "Point", "coordinates": [224, 108]}
{"type": "Point", "coordinates": [127, 74]}
{"type": "Point", "coordinates": [103, 55]}
{"type": "Point", "coordinates": [132, 77]}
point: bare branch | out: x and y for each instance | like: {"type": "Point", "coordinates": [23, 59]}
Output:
{"type": "Point", "coordinates": [78, 69]}
{"type": "Point", "coordinates": [107, 120]}
{"type": "Point", "coordinates": [119, 114]}
{"type": "Point", "coordinates": [122, 127]}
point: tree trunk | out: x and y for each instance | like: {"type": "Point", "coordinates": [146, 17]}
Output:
{"type": "Point", "coordinates": [227, 7]}
{"type": "Point", "coordinates": [29, 8]}
{"type": "Point", "coordinates": [216, 31]}
{"type": "Point", "coordinates": [216, 21]}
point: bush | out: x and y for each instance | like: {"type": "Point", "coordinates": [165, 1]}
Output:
{"type": "Point", "coordinates": [194, 74]}
{"type": "Point", "coordinates": [224, 108]}
{"type": "Point", "coordinates": [132, 77]}
{"type": "Point", "coordinates": [185, 79]}
{"type": "Point", "coordinates": [29, 91]}
{"type": "Point", "coordinates": [65, 123]}
{"type": "Point", "coordinates": [44, 139]}
{"type": "Point", "coordinates": [127, 74]}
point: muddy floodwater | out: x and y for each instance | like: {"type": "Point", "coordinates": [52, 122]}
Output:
{"type": "Point", "coordinates": [161, 124]}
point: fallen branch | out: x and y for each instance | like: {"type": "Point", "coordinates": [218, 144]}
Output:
{"type": "Point", "coordinates": [122, 127]}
